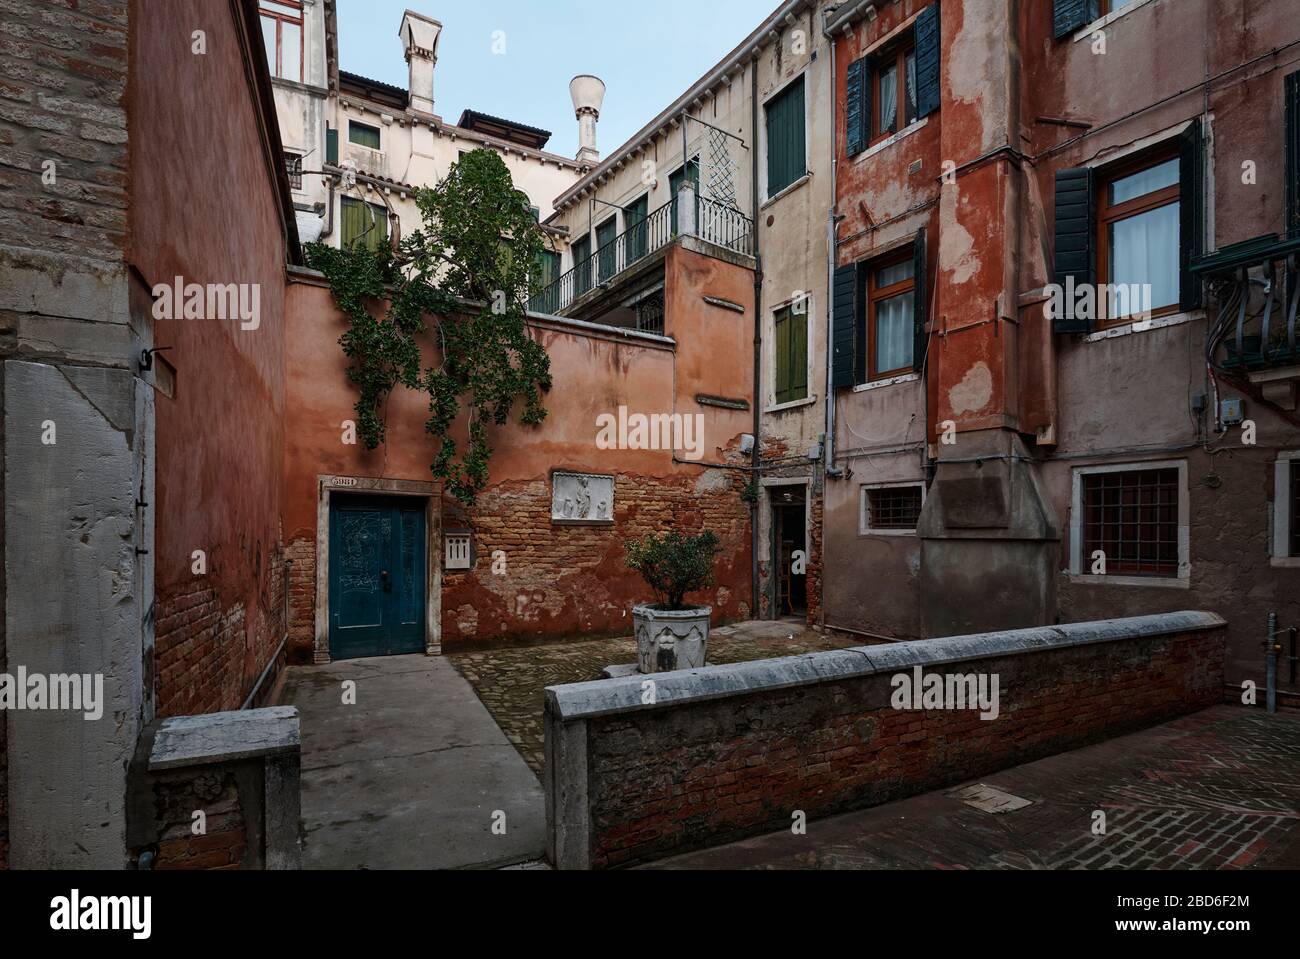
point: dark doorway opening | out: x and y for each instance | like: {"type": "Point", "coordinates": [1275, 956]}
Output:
{"type": "Point", "coordinates": [790, 542]}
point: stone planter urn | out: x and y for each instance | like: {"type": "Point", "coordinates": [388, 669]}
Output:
{"type": "Point", "coordinates": [668, 639]}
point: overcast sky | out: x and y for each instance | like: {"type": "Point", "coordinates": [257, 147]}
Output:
{"type": "Point", "coordinates": [647, 54]}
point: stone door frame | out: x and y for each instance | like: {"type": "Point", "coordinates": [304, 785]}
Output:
{"type": "Point", "coordinates": [432, 494]}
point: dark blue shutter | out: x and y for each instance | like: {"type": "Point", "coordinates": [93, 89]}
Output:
{"type": "Point", "coordinates": [920, 340]}
{"type": "Point", "coordinates": [1291, 85]}
{"type": "Point", "coordinates": [1070, 15]}
{"type": "Point", "coordinates": [927, 61]}
{"type": "Point", "coordinates": [843, 325]}
{"type": "Point", "coordinates": [1191, 213]}
{"type": "Point", "coordinates": [1076, 219]}
{"type": "Point", "coordinates": [857, 77]}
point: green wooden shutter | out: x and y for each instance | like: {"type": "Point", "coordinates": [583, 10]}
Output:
{"type": "Point", "coordinates": [363, 135]}
{"type": "Point", "coordinates": [927, 61]}
{"type": "Point", "coordinates": [634, 220]}
{"type": "Point", "coordinates": [844, 321]}
{"type": "Point", "coordinates": [856, 78]}
{"type": "Point", "coordinates": [1076, 219]}
{"type": "Point", "coordinates": [675, 180]}
{"type": "Point", "coordinates": [605, 234]}
{"type": "Point", "coordinates": [786, 153]}
{"type": "Point", "coordinates": [920, 341]}
{"type": "Point", "coordinates": [1291, 86]}
{"type": "Point", "coordinates": [332, 146]}
{"type": "Point", "coordinates": [781, 337]}
{"type": "Point", "coordinates": [1070, 15]}
{"type": "Point", "coordinates": [799, 354]}
{"type": "Point", "coordinates": [582, 276]}
{"type": "Point", "coordinates": [1191, 213]}
{"type": "Point", "coordinates": [352, 213]}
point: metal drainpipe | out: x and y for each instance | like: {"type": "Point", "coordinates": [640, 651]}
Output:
{"type": "Point", "coordinates": [829, 468]}
{"type": "Point", "coordinates": [758, 338]}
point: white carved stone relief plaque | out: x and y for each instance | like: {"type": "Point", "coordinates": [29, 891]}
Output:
{"type": "Point", "coordinates": [582, 496]}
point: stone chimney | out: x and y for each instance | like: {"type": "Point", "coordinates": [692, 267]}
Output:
{"type": "Point", "coordinates": [588, 94]}
{"type": "Point", "coordinates": [420, 44]}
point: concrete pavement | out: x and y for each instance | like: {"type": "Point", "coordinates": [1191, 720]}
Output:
{"type": "Point", "coordinates": [410, 776]}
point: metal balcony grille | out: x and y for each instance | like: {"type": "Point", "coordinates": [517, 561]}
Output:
{"type": "Point", "coordinates": [715, 222]}
{"type": "Point", "coordinates": [893, 507]}
{"type": "Point", "coordinates": [1132, 517]}
{"type": "Point", "coordinates": [293, 166]}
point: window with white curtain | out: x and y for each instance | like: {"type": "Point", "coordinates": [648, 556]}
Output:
{"type": "Point", "coordinates": [1138, 256]}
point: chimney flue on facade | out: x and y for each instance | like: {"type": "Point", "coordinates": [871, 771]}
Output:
{"type": "Point", "coordinates": [420, 44]}
{"type": "Point", "coordinates": [588, 94]}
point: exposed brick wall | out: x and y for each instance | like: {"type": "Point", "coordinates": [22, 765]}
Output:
{"type": "Point", "coordinates": [671, 778]}
{"type": "Point", "coordinates": [816, 514]}
{"type": "Point", "coordinates": [224, 840]}
{"type": "Point", "coordinates": [209, 657]}
{"type": "Point", "coordinates": [562, 580]}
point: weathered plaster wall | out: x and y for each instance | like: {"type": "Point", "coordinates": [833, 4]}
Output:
{"type": "Point", "coordinates": [559, 580]}
{"type": "Point", "coordinates": [1116, 399]}
{"type": "Point", "coordinates": [212, 216]}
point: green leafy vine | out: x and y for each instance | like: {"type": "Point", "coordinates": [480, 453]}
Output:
{"type": "Point", "coordinates": [462, 281]}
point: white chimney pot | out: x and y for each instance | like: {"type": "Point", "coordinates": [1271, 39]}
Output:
{"type": "Point", "coordinates": [588, 94]}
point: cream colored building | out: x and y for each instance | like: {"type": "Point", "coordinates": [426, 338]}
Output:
{"type": "Point", "coordinates": [356, 147]}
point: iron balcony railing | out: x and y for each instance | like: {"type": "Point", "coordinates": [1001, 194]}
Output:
{"type": "Point", "coordinates": [714, 222]}
{"type": "Point", "coordinates": [1258, 288]}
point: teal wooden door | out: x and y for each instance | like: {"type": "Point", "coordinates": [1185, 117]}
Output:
{"type": "Point", "coordinates": [377, 576]}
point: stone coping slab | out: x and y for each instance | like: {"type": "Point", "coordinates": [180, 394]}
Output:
{"type": "Point", "coordinates": [577, 701]}
{"type": "Point", "coordinates": [183, 741]}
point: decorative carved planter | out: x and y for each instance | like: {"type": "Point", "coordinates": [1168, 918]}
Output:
{"type": "Point", "coordinates": [668, 639]}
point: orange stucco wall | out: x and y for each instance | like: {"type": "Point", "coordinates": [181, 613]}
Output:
{"type": "Point", "coordinates": [558, 580]}
{"type": "Point", "coordinates": [205, 209]}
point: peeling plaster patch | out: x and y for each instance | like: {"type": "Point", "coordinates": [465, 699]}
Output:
{"type": "Point", "coordinates": [971, 71]}
{"type": "Point", "coordinates": [974, 391]}
{"type": "Point", "coordinates": [467, 620]}
{"type": "Point", "coordinates": [724, 597]}
{"type": "Point", "coordinates": [711, 481]}
{"type": "Point", "coordinates": [956, 247]}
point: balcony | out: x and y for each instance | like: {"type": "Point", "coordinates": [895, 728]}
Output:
{"type": "Point", "coordinates": [637, 248]}
{"type": "Point", "coordinates": [1257, 286]}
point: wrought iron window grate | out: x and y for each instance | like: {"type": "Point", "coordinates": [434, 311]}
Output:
{"type": "Point", "coordinates": [1132, 518]}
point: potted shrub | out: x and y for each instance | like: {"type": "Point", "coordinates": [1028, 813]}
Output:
{"type": "Point", "coordinates": [671, 634]}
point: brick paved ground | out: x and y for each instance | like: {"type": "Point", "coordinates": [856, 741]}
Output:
{"type": "Point", "coordinates": [1216, 790]}
{"type": "Point", "coordinates": [510, 681]}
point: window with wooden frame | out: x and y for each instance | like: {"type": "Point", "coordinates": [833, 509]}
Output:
{"type": "Point", "coordinates": [1131, 518]}
{"type": "Point", "coordinates": [893, 90]}
{"type": "Point", "coordinates": [790, 336]}
{"type": "Point", "coordinates": [282, 33]}
{"type": "Point", "coordinates": [1110, 6]}
{"type": "Point", "coordinates": [1138, 256]}
{"type": "Point", "coordinates": [887, 332]}
{"type": "Point", "coordinates": [363, 135]}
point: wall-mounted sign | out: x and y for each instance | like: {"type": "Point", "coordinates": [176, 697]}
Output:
{"type": "Point", "coordinates": [344, 481]}
{"type": "Point", "coordinates": [582, 497]}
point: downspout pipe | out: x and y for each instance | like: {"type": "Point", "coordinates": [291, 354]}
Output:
{"type": "Point", "coordinates": [754, 507]}
{"type": "Point", "coordinates": [832, 221]}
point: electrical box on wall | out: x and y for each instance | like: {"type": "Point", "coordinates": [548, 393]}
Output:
{"type": "Point", "coordinates": [1232, 411]}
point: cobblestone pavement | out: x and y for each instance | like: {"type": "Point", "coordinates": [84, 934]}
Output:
{"type": "Point", "coordinates": [510, 681]}
{"type": "Point", "coordinates": [1219, 789]}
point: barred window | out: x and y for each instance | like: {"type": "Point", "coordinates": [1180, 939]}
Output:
{"type": "Point", "coordinates": [293, 165]}
{"type": "Point", "coordinates": [1132, 518]}
{"type": "Point", "coordinates": [891, 508]}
